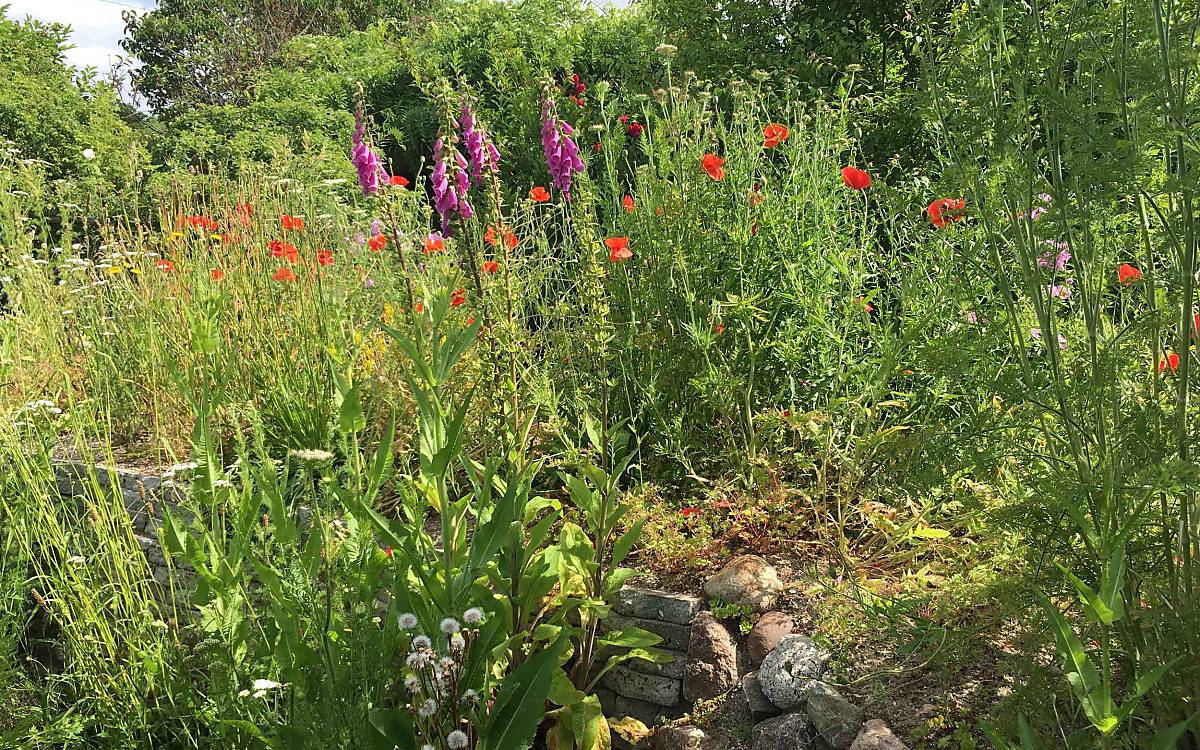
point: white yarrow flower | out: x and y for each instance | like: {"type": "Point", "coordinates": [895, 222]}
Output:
{"type": "Point", "coordinates": [89, 154]}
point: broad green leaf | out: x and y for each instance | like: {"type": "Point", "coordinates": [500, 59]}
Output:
{"type": "Point", "coordinates": [626, 542]}
{"type": "Point", "coordinates": [520, 702]}
{"type": "Point", "coordinates": [588, 725]}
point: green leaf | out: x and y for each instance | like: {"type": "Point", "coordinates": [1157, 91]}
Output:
{"type": "Point", "coordinates": [626, 542]}
{"type": "Point", "coordinates": [393, 727]}
{"type": "Point", "coordinates": [631, 637]}
{"type": "Point", "coordinates": [1113, 582]}
{"type": "Point", "coordinates": [588, 725]}
{"type": "Point", "coordinates": [520, 702]}
{"type": "Point", "coordinates": [1093, 696]}
{"type": "Point", "coordinates": [1098, 611]}
{"type": "Point", "coordinates": [928, 532]}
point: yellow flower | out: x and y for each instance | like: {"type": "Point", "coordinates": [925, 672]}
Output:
{"type": "Point", "coordinates": [216, 236]}
{"type": "Point", "coordinates": [134, 270]}
{"type": "Point", "coordinates": [387, 312]}
{"type": "Point", "coordinates": [114, 270]}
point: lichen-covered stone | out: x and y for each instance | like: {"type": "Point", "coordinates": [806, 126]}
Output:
{"type": "Point", "coordinates": [652, 604]}
{"type": "Point", "coordinates": [876, 735]}
{"type": "Point", "coordinates": [835, 720]}
{"type": "Point", "coordinates": [656, 689]}
{"type": "Point", "coordinates": [787, 732]}
{"type": "Point", "coordinates": [790, 670]}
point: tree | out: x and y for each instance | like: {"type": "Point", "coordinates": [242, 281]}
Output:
{"type": "Point", "coordinates": [209, 52]}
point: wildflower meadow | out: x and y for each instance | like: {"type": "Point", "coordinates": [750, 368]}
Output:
{"type": "Point", "coordinates": [493, 375]}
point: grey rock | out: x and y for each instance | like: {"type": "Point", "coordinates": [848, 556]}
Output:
{"type": "Point", "coordinates": [787, 732]}
{"type": "Point", "coordinates": [759, 705]}
{"type": "Point", "coordinates": [661, 691]}
{"type": "Point", "coordinates": [766, 635]}
{"type": "Point", "coordinates": [674, 636]}
{"type": "Point", "coordinates": [711, 667]}
{"type": "Point", "coordinates": [835, 720]}
{"type": "Point", "coordinates": [790, 670]}
{"type": "Point", "coordinates": [678, 738]}
{"type": "Point", "coordinates": [652, 604]}
{"type": "Point", "coordinates": [876, 735]}
{"type": "Point", "coordinates": [748, 580]}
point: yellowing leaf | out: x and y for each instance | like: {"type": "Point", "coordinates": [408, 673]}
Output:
{"type": "Point", "coordinates": [630, 729]}
{"type": "Point", "coordinates": [929, 532]}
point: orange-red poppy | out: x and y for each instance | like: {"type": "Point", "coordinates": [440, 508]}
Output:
{"type": "Point", "coordinates": [855, 178]}
{"type": "Point", "coordinates": [163, 264]}
{"type": "Point", "coordinates": [627, 204]}
{"type": "Point", "coordinates": [458, 297]}
{"type": "Point", "coordinates": [689, 512]}
{"type": "Point", "coordinates": [490, 266]}
{"type": "Point", "coordinates": [1172, 362]}
{"type": "Point", "coordinates": [377, 243]}
{"type": "Point", "coordinates": [774, 134]}
{"type": "Point", "coordinates": [398, 180]}
{"type": "Point", "coordinates": [325, 257]}
{"type": "Point", "coordinates": [618, 249]}
{"type": "Point", "coordinates": [714, 166]}
{"type": "Point", "coordinates": [539, 194]}
{"type": "Point", "coordinates": [434, 244]}
{"type": "Point", "coordinates": [284, 274]}
{"type": "Point", "coordinates": [291, 222]}
{"type": "Point", "coordinates": [216, 274]}
{"type": "Point", "coordinates": [285, 250]}
{"type": "Point", "coordinates": [1128, 274]}
{"type": "Point", "coordinates": [945, 210]}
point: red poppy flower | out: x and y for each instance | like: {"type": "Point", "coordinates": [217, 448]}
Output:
{"type": "Point", "coordinates": [387, 551]}
{"type": "Point", "coordinates": [325, 257]}
{"type": "Point", "coordinates": [634, 130]}
{"type": "Point", "coordinates": [774, 134]}
{"type": "Point", "coordinates": [398, 180]}
{"type": "Point", "coordinates": [855, 178]}
{"type": "Point", "coordinates": [216, 274]}
{"type": "Point", "coordinates": [458, 297]}
{"type": "Point", "coordinates": [196, 222]}
{"type": "Point", "coordinates": [434, 244]}
{"type": "Point", "coordinates": [539, 194]}
{"type": "Point", "coordinates": [689, 512]}
{"type": "Point", "coordinates": [490, 266]}
{"type": "Point", "coordinates": [510, 240]}
{"type": "Point", "coordinates": [754, 229]}
{"type": "Point", "coordinates": [1172, 361]}
{"type": "Point", "coordinates": [714, 166]}
{"type": "Point", "coordinates": [490, 236]}
{"type": "Point", "coordinates": [419, 307]}
{"type": "Point", "coordinates": [377, 243]}
{"type": "Point", "coordinates": [945, 210]}
{"type": "Point", "coordinates": [470, 320]}
{"type": "Point", "coordinates": [284, 274]}
{"type": "Point", "coordinates": [163, 264]}
{"type": "Point", "coordinates": [866, 306]}
{"type": "Point", "coordinates": [618, 249]}
{"type": "Point", "coordinates": [720, 328]}
{"type": "Point", "coordinates": [596, 147]}
{"type": "Point", "coordinates": [627, 202]}
{"type": "Point", "coordinates": [285, 250]}
{"type": "Point", "coordinates": [1128, 274]}
{"type": "Point", "coordinates": [291, 222]}
{"type": "Point", "coordinates": [244, 208]}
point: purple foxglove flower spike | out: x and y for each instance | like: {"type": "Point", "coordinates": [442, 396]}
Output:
{"type": "Point", "coordinates": [562, 155]}
{"type": "Point", "coordinates": [366, 161]}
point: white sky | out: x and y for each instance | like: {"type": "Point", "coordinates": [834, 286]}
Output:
{"type": "Point", "coordinates": [96, 25]}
